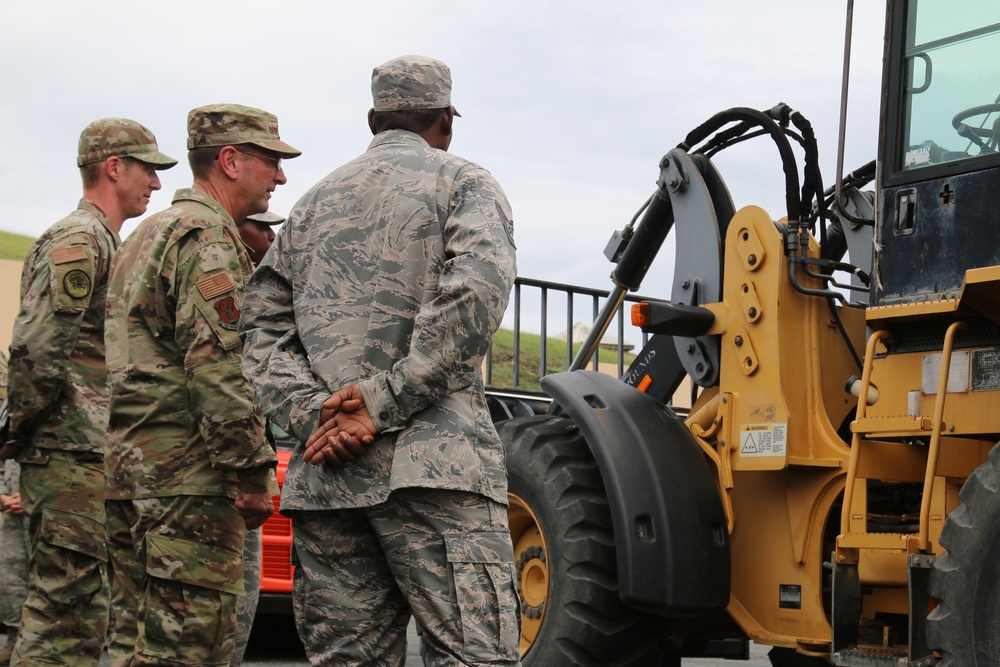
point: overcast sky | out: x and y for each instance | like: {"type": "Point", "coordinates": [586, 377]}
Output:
{"type": "Point", "coordinates": [569, 104]}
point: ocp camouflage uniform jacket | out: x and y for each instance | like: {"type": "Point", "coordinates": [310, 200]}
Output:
{"type": "Point", "coordinates": [394, 271]}
{"type": "Point", "coordinates": [57, 393]}
{"type": "Point", "coordinates": [183, 419]}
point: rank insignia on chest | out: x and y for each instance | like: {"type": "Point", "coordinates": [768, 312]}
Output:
{"type": "Point", "coordinates": [77, 283]}
{"type": "Point", "coordinates": [228, 313]}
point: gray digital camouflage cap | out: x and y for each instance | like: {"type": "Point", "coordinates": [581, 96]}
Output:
{"type": "Point", "coordinates": [267, 218]}
{"type": "Point", "coordinates": [234, 124]}
{"type": "Point", "coordinates": [120, 137]}
{"type": "Point", "coordinates": [411, 82]}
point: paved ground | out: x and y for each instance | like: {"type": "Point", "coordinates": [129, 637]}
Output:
{"type": "Point", "coordinates": [275, 644]}
{"type": "Point", "coordinates": [280, 647]}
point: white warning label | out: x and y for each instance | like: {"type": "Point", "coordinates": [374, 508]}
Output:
{"type": "Point", "coordinates": [763, 439]}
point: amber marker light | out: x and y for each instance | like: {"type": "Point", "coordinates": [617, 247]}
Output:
{"type": "Point", "coordinates": [644, 383]}
{"type": "Point", "coordinates": [640, 315]}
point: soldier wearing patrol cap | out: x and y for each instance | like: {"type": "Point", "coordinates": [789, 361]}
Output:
{"type": "Point", "coordinates": [58, 400]}
{"type": "Point", "coordinates": [187, 463]}
{"type": "Point", "coordinates": [365, 330]}
{"type": "Point", "coordinates": [257, 234]}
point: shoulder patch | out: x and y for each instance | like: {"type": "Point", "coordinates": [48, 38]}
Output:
{"type": "Point", "coordinates": [77, 283]}
{"type": "Point", "coordinates": [216, 284]}
{"type": "Point", "coordinates": [229, 314]}
{"type": "Point", "coordinates": [508, 225]}
{"type": "Point", "coordinates": [73, 253]}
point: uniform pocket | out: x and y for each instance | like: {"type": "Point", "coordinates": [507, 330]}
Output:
{"type": "Point", "coordinates": [68, 563]}
{"type": "Point", "coordinates": [482, 570]}
{"type": "Point", "coordinates": [194, 563]}
{"type": "Point", "coordinates": [188, 619]}
{"type": "Point", "coordinates": [74, 532]}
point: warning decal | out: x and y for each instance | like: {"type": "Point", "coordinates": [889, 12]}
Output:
{"type": "Point", "coordinates": [763, 439]}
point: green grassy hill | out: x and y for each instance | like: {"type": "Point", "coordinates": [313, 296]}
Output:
{"type": "Point", "coordinates": [14, 246]}
{"type": "Point", "coordinates": [530, 350]}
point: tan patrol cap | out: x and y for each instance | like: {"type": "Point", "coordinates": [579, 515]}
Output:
{"type": "Point", "coordinates": [234, 124]}
{"type": "Point", "coordinates": [120, 137]}
{"type": "Point", "coordinates": [411, 82]}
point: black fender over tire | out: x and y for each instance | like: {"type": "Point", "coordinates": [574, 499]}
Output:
{"type": "Point", "coordinates": [582, 621]}
{"type": "Point", "coordinates": [966, 579]}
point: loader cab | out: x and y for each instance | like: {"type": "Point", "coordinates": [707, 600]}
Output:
{"type": "Point", "coordinates": [939, 174]}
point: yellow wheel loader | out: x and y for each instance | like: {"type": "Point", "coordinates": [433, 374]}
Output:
{"type": "Point", "coordinates": [834, 492]}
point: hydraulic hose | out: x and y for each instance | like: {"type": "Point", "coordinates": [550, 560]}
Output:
{"type": "Point", "coordinates": [656, 223]}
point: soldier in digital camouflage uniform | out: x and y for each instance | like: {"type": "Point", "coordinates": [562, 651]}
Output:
{"type": "Point", "coordinates": [365, 328]}
{"type": "Point", "coordinates": [187, 463]}
{"type": "Point", "coordinates": [15, 543]}
{"type": "Point", "coordinates": [15, 546]}
{"type": "Point", "coordinates": [58, 397]}
{"type": "Point", "coordinates": [257, 233]}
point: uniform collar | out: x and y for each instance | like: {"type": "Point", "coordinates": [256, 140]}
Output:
{"type": "Point", "coordinates": [202, 197]}
{"type": "Point", "coordinates": [397, 137]}
{"type": "Point", "coordinates": [96, 211]}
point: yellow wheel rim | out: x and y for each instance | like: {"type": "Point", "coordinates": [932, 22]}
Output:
{"type": "Point", "coordinates": [532, 562]}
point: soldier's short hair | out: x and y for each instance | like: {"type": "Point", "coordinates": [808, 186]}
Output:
{"type": "Point", "coordinates": [412, 120]}
{"type": "Point", "coordinates": [91, 172]}
{"type": "Point", "coordinates": [201, 160]}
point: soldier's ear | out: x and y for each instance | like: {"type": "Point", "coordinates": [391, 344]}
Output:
{"type": "Point", "coordinates": [229, 161]}
{"type": "Point", "coordinates": [113, 167]}
{"type": "Point", "coordinates": [447, 119]}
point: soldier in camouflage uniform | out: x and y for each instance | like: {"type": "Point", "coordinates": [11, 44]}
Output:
{"type": "Point", "coordinates": [365, 329]}
{"type": "Point", "coordinates": [15, 543]}
{"type": "Point", "coordinates": [58, 396]}
{"type": "Point", "coordinates": [257, 234]}
{"type": "Point", "coordinates": [187, 463]}
{"type": "Point", "coordinates": [15, 546]}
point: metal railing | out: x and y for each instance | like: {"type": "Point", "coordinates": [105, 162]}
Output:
{"type": "Point", "coordinates": [524, 289]}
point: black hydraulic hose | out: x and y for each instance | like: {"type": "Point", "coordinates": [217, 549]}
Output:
{"type": "Point", "coordinates": [843, 332]}
{"type": "Point", "coordinates": [793, 203]}
{"type": "Point", "coordinates": [835, 246]}
{"type": "Point", "coordinates": [656, 223]}
{"type": "Point", "coordinates": [812, 178]}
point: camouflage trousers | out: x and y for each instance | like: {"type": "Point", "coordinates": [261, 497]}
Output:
{"type": "Point", "coordinates": [65, 614]}
{"type": "Point", "coordinates": [246, 605]}
{"type": "Point", "coordinates": [443, 556]}
{"type": "Point", "coordinates": [176, 567]}
{"type": "Point", "coordinates": [15, 546]}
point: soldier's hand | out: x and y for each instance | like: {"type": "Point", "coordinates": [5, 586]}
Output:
{"type": "Point", "coordinates": [8, 451]}
{"type": "Point", "coordinates": [337, 446]}
{"type": "Point", "coordinates": [346, 431]}
{"type": "Point", "coordinates": [255, 508]}
{"type": "Point", "coordinates": [11, 504]}
{"type": "Point", "coordinates": [348, 399]}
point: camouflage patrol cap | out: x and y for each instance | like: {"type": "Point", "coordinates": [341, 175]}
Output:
{"type": "Point", "coordinates": [266, 217]}
{"type": "Point", "coordinates": [120, 137]}
{"type": "Point", "coordinates": [234, 124]}
{"type": "Point", "coordinates": [411, 82]}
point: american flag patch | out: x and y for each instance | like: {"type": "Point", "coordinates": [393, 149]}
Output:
{"type": "Point", "coordinates": [74, 253]}
{"type": "Point", "coordinates": [214, 285]}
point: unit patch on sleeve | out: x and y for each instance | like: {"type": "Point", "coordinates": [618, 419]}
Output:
{"type": "Point", "coordinates": [214, 285]}
{"type": "Point", "coordinates": [228, 313]}
{"type": "Point", "coordinates": [77, 283]}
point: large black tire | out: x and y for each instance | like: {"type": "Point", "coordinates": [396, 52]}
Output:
{"type": "Point", "coordinates": [564, 547]}
{"type": "Point", "coordinates": [964, 625]}
{"type": "Point", "coordinates": [789, 657]}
